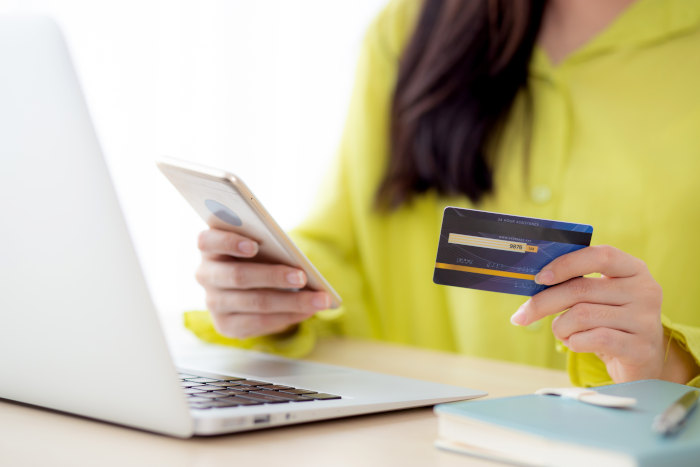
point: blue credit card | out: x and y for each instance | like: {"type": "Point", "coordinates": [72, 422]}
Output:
{"type": "Point", "coordinates": [501, 252]}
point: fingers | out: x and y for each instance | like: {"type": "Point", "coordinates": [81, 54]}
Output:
{"type": "Point", "coordinates": [242, 275]}
{"type": "Point", "coordinates": [236, 286]}
{"type": "Point", "coordinates": [604, 342]}
{"type": "Point", "coordinates": [222, 242]}
{"type": "Point", "coordinates": [586, 316]}
{"type": "Point", "coordinates": [246, 298]}
{"type": "Point", "coordinates": [266, 301]}
{"type": "Point", "coordinates": [570, 293]}
{"type": "Point", "coordinates": [249, 313]}
{"type": "Point", "coordinates": [603, 259]}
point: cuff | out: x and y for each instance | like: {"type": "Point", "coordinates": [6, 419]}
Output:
{"type": "Point", "coordinates": [293, 345]}
{"type": "Point", "coordinates": [688, 338]}
{"type": "Point", "coordinates": [586, 370]}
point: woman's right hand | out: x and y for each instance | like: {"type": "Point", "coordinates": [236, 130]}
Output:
{"type": "Point", "coordinates": [249, 299]}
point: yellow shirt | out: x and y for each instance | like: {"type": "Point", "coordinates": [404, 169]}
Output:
{"type": "Point", "coordinates": [615, 144]}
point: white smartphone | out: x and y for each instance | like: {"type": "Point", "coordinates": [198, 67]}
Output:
{"type": "Point", "coordinates": [224, 202]}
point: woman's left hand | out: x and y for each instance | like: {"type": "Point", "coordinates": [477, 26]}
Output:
{"type": "Point", "coordinates": [616, 316]}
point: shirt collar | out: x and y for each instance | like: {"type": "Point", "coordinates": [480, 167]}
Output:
{"type": "Point", "coordinates": [643, 23]}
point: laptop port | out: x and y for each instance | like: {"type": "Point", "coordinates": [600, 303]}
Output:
{"type": "Point", "coordinates": [258, 419]}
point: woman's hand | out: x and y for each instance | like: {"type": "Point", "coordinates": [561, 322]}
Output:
{"type": "Point", "coordinates": [616, 316]}
{"type": "Point", "coordinates": [246, 298]}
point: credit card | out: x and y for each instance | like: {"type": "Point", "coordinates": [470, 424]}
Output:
{"type": "Point", "coordinates": [501, 252]}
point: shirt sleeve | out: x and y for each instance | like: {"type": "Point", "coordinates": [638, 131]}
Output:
{"type": "Point", "coordinates": [688, 338]}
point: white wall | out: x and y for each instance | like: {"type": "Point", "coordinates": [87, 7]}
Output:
{"type": "Point", "coordinates": [257, 87]}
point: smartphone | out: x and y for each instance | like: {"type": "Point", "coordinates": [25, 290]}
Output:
{"type": "Point", "coordinates": [224, 202]}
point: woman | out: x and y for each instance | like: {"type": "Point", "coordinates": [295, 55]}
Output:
{"type": "Point", "coordinates": [575, 110]}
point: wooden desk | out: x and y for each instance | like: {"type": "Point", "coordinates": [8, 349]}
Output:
{"type": "Point", "coordinates": [35, 437]}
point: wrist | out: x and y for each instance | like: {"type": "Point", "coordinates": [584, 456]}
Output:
{"type": "Point", "coordinates": [679, 364]}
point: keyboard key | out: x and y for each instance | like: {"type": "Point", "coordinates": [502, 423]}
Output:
{"type": "Point", "coordinates": [263, 398]}
{"type": "Point", "coordinates": [323, 396]}
{"type": "Point", "coordinates": [278, 387]}
{"type": "Point", "coordinates": [251, 382]}
{"type": "Point", "coordinates": [298, 391]}
{"type": "Point", "coordinates": [223, 383]}
{"type": "Point", "coordinates": [225, 403]}
{"type": "Point", "coordinates": [208, 387]}
{"type": "Point", "coordinates": [196, 400]}
{"type": "Point", "coordinates": [289, 397]}
{"type": "Point", "coordinates": [242, 401]}
{"type": "Point", "coordinates": [231, 392]}
{"type": "Point", "coordinates": [200, 406]}
{"type": "Point", "coordinates": [193, 391]}
{"type": "Point", "coordinates": [211, 395]}
{"type": "Point", "coordinates": [188, 384]}
{"type": "Point", "coordinates": [201, 380]}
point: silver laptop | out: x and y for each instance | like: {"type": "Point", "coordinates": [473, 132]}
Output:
{"type": "Point", "coordinates": [79, 332]}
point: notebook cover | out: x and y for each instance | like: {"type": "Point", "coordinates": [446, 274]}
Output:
{"type": "Point", "coordinates": [622, 430]}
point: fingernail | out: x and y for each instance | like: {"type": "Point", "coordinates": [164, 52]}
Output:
{"type": "Point", "coordinates": [519, 318]}
{"type": "Point", "coordinates": [247, 247]}
{"type": "Point", "coordinates": [544, 277]}
{"type": "Point", "coordinates": [321, 301]}
{"type": "Point", "coordinates": [296, 278]}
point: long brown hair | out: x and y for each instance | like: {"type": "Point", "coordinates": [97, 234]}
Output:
{"type": "Point", "coordinates": [457, 79]}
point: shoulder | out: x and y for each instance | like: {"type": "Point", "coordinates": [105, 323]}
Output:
{"type": "Point", "coordinates": [392, 27]}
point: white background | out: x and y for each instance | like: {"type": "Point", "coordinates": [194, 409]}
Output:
{"type": "Point", "coordinates": [256, 87]}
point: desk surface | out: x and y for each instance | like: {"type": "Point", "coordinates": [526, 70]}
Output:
{"type": "Point", "coordinates": [30, 436]}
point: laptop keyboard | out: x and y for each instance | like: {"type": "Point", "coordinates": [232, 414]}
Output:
{"type": "Point", "coordinates": [209, 393]}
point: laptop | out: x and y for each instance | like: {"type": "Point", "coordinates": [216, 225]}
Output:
{"type": "Point", "coordinates": [79, 331]}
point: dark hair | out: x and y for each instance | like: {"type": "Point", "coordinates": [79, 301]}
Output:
{"type": "Point", "coordinates": [457, 79]}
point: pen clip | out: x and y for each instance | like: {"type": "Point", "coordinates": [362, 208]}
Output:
{"type": "Point", "coordinates": [672, 419]}
{"type": "Point", "coordinates": [589, 396]}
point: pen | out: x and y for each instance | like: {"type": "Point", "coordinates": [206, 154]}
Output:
{"type": "Point", "coordinates": [671, 420]}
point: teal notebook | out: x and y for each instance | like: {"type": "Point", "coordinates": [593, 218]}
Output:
{"type": "Point", "coordinates": [551, 430]}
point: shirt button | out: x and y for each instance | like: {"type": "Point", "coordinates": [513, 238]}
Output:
{"type": "Point", "coordinates": [541, 194]}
